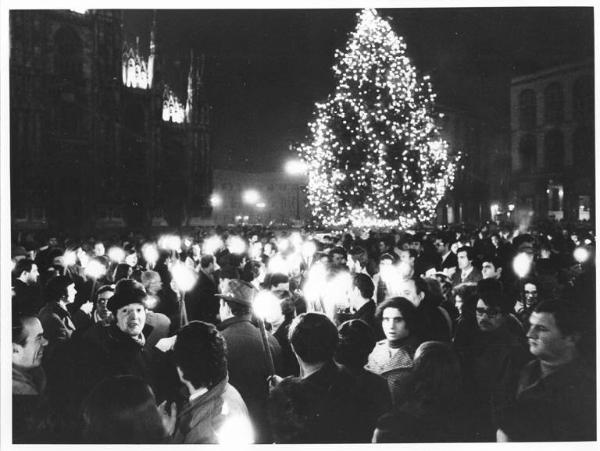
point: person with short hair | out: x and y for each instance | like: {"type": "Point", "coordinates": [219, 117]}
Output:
{"type": "Point", "coordinates": [246, 358]}
{"type": "Point", "coordinates": [28, 376]}
{"type": "Point", "coordinates": [27, 297]}
{"type": "Point", "coordinates": [466, 271]}
{"type": "Point", "coordinates": [199, 354]}
{"type": "Point", "coordinates": [556, 394]}
{"type": "Point", "coordinates": [122, 410]}
{"type": "Point", "coordinates": [446, 258]}
{"type": "Point", "coordinates": [432, 411]}
{"type": "Point", "coordinates": [322, 405]}
{"type": "Point", "coordinates": [491, 359]}
{"type": "Point", "coordinates": [362, 303]}
{"type": "Point", "coordinates": [55, 318]}
{"type": "Point", "coordinates": [356, 342]}
{"type": "Point", "coordinates": [201, 302]}
{"type": "Point", "coordinates": [434, 322]}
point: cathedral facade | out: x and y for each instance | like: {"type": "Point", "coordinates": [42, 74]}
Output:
{"type": "Point", "coordinates": [98, 138]}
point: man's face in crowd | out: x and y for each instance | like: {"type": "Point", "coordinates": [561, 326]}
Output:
{"type": "Point", "coordinates": [546, 341]}
{"type": "Point", "coordinates": [408, 290]}
{"type": "Point", "coordinates": [458, 302]}
{"type": "Point", "coordinates": [406, 258]}
{"type": "Point", "coordinates": [338, 260]}
{"type": "Point", "coordinates": [531, 295]}
{"type": "Point", "coordinates": [463, 260]}
{"type": "Point", "coordinates": [489, 271]}
{"type": "Point", "coordinates": [30, 354]}
{"type": "Point", "coordinates": [440, 247]}
{"type": "Point", "coordinates": [416, 245]}
{"type": "Point", "coordinates": [393, 324]}
{"type": "Point", "coordinates": [131, 319]}
{"type": "Point", "coordinates": [32, 276]}
{"type": "Point", "coordinates": [382, 247]}
{"type": "Point", "coordinates": [71, 292]}
{"type": "Point", "coordinates": [488, 318]}
{"type": "Point", "coordinates": [101, 303]}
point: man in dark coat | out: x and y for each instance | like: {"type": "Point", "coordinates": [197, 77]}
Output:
{"type": "Point", "coordinates": [361, 300]}
{"type": "Point", "coordinates": [246, 357]}
{"type": "Point", "coordinates": [201, 302]}
{"type": "Point", "coordinates": [434, 322]}
{"type": "Point", "coordinates": [323, 405]}
{"type": "Point", "coordinates": [556, 395]}
{"type": "Point", "coordinates": [491, 362]}
{"type": "Point", "coordinates": [27, 298]}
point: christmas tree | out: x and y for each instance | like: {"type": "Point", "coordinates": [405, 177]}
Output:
{"type": "Point", "coordinates": [374, 155]}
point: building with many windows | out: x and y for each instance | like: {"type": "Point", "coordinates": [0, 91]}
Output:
{"type": "Point", "coordinates": [482, 178]}
{"type": "Point", "coordinates": [252, 198]}
{"type": "Point", "coordinates": [97, 137]}
{"type": "Point", "coordinates": [552, 143]}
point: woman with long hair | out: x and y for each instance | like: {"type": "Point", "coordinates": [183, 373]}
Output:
{"type": "Point", "coordinates": [392, 358]}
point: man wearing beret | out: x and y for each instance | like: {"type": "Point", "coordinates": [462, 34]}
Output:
{"type": "Point", "coordinates": [246, 360]}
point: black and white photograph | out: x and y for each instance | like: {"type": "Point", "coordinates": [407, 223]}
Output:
{"type": "Point", "coordinates": [347, 223]}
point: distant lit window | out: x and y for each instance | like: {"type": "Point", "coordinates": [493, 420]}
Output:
{"type": "Point", "coordinates": [553, 103]}
{"type": "Point", "coordinates": [527, 109]}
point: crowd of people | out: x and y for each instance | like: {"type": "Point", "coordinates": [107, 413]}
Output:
{"type": "Point", "coordinates": [254, 335]}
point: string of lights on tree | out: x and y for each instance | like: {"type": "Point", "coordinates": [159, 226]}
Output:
{"type": "Point", "coordinates": [374, 155]}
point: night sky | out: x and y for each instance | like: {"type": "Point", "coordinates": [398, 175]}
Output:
{"type": "Point", "coordinates": [267, 68]}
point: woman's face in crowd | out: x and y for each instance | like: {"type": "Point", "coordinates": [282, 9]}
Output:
{"type": "Point", "coordinates": [393, 324]}
{"type": "Point", "coordinates": [458, 302]}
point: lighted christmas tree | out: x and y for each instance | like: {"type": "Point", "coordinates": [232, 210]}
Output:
{"type": "Point", "coordinates": [374, 154]}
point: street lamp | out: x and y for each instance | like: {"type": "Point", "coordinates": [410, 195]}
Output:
{"type": "Point", "coordinates": [296, 168]}
{"type": "Point", "coordinates": [251, 196]}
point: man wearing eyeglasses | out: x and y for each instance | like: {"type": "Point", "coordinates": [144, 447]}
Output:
{"type": "Point", "coordinates": [492, 359]}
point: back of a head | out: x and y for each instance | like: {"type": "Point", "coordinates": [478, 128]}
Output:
{"type": "Point", "coordinates": [200, 353]}
{"type": "Point", "coordinates": [206, 260]}
{"type": "Point", "coordinates": [357, 340]}
{"type": "Point", "coordinates": [491, 292]}
{"type": "Point", "coordinates": [56, 288]}
{"type": "Point", "coordinates": [23, 265]}
{"type": "Point", "coordinates": [278, 278]}
{"type": "Point", "coordinates": [119, 410]}
{"type": "Point", "coordinates": [364, 285]}
{"type": "Point", "coordinates": [313, 337]}
{"type": "Point", "coordinates": [149, 277]}
{"type": "Point", "coordinates": [436, 374]}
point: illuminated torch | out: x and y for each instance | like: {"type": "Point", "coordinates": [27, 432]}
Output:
{"type": "Point", "coordinates": [95, 270]}
{"type": "Point", "coordinates": [150, 253]}
{"type": "Point", "coordinates": [116, 254]}
{"type": "Point", "coordinates": [267, 306]}
{"type": "Point", "coordinates": [522, 266]}
{"type": "Point", "coordinates": [184, 279]}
